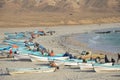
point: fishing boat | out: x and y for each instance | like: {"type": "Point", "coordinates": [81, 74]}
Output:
{"type": "Point", "coordinates": [21, 57]}
{"type": "Point", "coordinates": [106, 68]}
{"type": "Point", "coordinates": [72, 62]}
{"type": "Point", "coordinates": [46, 58]}
{"type": "Point", "coordinates": [4, 50]}
{"type": "Point", "coordinates": [18, 35]}
{"type": "Point", "coordinates": [4, 47]}
{"type": "Point", "coordinates": [2, 56]}
{"type": "Point", "coordinates": [85, 67]}
{"type": "Point", "coordinates": [20, 40]}
{"type": "Point", "coordinates": [42, 69]}
{"type": "Point", "coordinates": [68, 62]}
{"type": "Point", "coordinates": [59, 62]}
{"type": "Point", "coordinates": [89, 65]}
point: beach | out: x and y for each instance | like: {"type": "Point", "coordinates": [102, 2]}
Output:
{"type": "Point", "coordinates": [56, 42]}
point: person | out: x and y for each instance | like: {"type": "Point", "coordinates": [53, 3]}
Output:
{"type": "Point", "coordinates": [26, 44]}
{"type": "Point", "coordinates": [84, 61]}
{"type": "Point", "coordinates": [52, 64]}
{"type": "Point", "coordinates": [106, 59]}
{"type": "Point", "coordinates": [66, 54]}
{"type": "Point", "coordinates": [10, 53]}
{"type": "Point", "coordinates": [118, 57]}
{"type": "Point", "coordinates": [51, 53]}
{"type": "Point", "coordinates": [42, 51]}
{"type": "Point", "coordinates": [33, 36]}
{"type": "Point", "coordinates": [15, 52]}
{"type": "Point", "coordinates": [28, 47]}
{"type": "Point", "coordinates": [38, 49]}
{"type": "Point", "coordinates": [113, 61]}
{"type": "Point", "coordinates": [70, 56]}
{"type": "Point", "coordinates": [36, 44]}
{"type": "Point", "coordinates": [35, 49]}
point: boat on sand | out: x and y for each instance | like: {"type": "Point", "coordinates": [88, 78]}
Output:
{"type": "Point", "coordinates": [47, 58]}
{"type": "Point", "coordinates": [89, 66]}
{"type": "Point", "coordinates": [106, 68]}
{"type": "Point", "coordinates": [42, 69]}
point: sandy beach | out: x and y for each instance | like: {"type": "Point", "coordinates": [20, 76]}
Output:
{"type": "Point", "coordinates": [53, 42]}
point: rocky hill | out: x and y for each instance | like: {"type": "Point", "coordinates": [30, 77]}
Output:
{"type": "Point", "coordinates": [58, 5]}
{"type": "Point", "coordinates": [72, 10]}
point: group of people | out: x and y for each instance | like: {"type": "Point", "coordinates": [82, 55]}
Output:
{"type": "Point", "coordinates": [112, 60]}
{"type": "Point", "coordinates": [38, 47]}
{"type": "Point", "coordinates": [68, 54]}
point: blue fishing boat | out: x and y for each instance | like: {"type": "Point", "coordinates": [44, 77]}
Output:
{"type": "Point", "coordinates": [4, 47]}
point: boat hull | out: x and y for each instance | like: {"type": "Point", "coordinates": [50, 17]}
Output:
{"type": "Point", "coordinates": [12, 71]}
{"type": "Point", "coordinates": [90, 66]}
{"type": "Point", "coordinates": [46, 58]}
{"type": "Point", "coordinates": [107, 69]}
{"type": "Point", "coordinates": [21, 57]}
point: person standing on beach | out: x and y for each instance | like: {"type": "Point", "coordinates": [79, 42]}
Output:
{"type": "Point", "coordinates": [10, 53]}
{"type": "Point", "coordinates": [118, 57]}
{"type": "Point", "coordinates": [106, 59]}
{"type": "Point", "coordinates": [113, 61]}
{"type": "Point", "coordinates": [51, 53]}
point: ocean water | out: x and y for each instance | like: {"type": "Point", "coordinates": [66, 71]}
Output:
{"type": "Point", "coordinates": [109, 42]}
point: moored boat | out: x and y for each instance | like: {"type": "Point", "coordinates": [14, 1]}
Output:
{"type": "Point", "coordinates": [43, 69]}
{"type": "Point", "coordinates": [89, 65]}
{"type": "Point", "coordinates": [68, 62]}
{"type": "Point", "coordinates": [46, 58]}
{"type": "Point", "coordinates": [72, 62]}
{"type": "Point", "coordinates": [21, 57]}
{"type": "Point", "coordinates": [106, 68]}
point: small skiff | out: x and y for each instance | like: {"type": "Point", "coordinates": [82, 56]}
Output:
{"type": "Point", "coordinates": [43, 69]}
{"type": "Point", "coordinates": [46, 58]}
{"type": "Point", "coordinates": [21, 57]}
{"type": "Point", "coordinates": [89, 65]}
{"type": "Point", "coordinates": [106, 68]}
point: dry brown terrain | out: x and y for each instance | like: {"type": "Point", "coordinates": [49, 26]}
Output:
{"type": "Point", "coordinates": [18, 13]}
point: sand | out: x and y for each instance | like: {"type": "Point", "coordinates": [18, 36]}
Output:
{"type": "Point", "coordinates": [53, 42]}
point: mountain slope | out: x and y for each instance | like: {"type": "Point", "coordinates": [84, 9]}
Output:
{"type": "Point", "coordinates": [48, 5]}
{"type": "Point", "coordinates": [58, 12]}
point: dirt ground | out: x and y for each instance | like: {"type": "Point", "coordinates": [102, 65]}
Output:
{"type": "Point", "coordinates": [35, 19]}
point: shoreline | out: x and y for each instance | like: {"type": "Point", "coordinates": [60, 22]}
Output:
{"type": "Point", "coordinates": [53, 43]}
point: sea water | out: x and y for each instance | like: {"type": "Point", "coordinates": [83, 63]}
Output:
{"type": "Point", "coordinates": [109, 42]}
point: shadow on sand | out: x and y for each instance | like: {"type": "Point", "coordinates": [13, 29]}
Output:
{"type": "Point", "coordinates": [4, 74]}
{"type": "Point", "coordinates": [115, 75]}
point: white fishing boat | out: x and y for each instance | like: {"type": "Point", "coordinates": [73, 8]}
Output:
{"type": "Point", "coordinates": [85, 66]}
{"type": "Point", "coordinates": [68, 62]}
{"type": "Point", "coordinates": [106, 68]}
{"type": "Point", "coordinates": [59, 62]}
{"type": "Point", "coordinates": [43, 69]}
{"type": "Point", "coordinates": [46, 58]}
{"type": "Point", "coordinates": [89, 65]}
{"type": "Point", "coordinates": [21, 57]}
{"type": "Point", "coordinates": [72, 62]}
